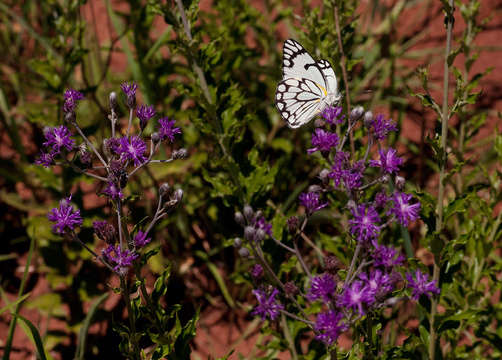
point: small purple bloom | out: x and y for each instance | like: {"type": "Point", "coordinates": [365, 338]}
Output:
{"type": "Point", "coordinates": [329, 327]}
{"type": "Point", "coordinates": [45, 159]}
{"type": "Point", "coordinates": [144, 113]}
{"type": "Point", "coordinates": [167, 129]}
{"type": "Point", "coordinates": [141, 240]}
{"type": "Point", "coordinates": [352, 177]}
{"type": "Point", "coordinates": [364, 225]}
{"type": "Point", "coordinates": [122, 259]}
{"type": "Point", "coordinates": [130, 93]}
{"type": "Point", "coordinates": [133, 149]}
{"type": "Point", "coordinates": [261, 223]}
{"type": "Point", "coordinates": [70, 100]}
{"type": "Point", "coordinates": [65, 217]}
{"type": "Point", "coordinates": [420, 285]}
{"type": "Point", "coordinates": [340, 162]}
{"type": "Point", "coordinates": [381, 127]}
{"type": "Point", "coordinates": [378, 282]}
{"type": "Point", "coordinates": [355, 296]}
{"type": "Point", "coordinates": [113, 191]}
{"type": "Point", "coordinates": [323, 141]}
{"type": "Point", "coordinates": [389, 162]}
{"type": "Point", "coordinates": [257, 271]}
{"type": "Point", "coordinates": [386, 256]}
{"type": "Point", "coordinates": [381, 199]}
{"type": "Point", "coordinates": [104, 231]}
{"type": "Point", "coordinates": [112, 144]}
{"type": "Point", "coordinates": [332, 115]}
{"type": "Point", "coordinates": [267, 304]}
{"type": "Point", "coordinates": [322, 287]}
{"type": "Point", "coordinates": [311, 202]}
{"type": "Point", "coordinates": [402, 209]}
{"type": "Point", "coordinates": [58, 137]}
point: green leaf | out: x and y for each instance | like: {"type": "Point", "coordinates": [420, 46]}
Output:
{"type": "Point", "coordinates": [82, 336]}
{"type": "Point", "coordinates": [35, 336]}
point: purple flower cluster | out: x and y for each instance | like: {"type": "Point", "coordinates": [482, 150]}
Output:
{"type": "Point", "coordinates": [140, 240]}
{"type": "Point", "coordinates": [380, 127]}
{"type": "Point", "coordinates": [333, 115]}
{"type": "Point", "coordinates": [144, 113]}
{"type": "Point", "coordinates": [167, 129]}
{"type": "Point", "coordinates": [323, 141]}
{"type": "Point", "coordinates": [268, 306]}
{"type": "Point", "coordinates": [65, 217]}
{"type": "Point", "coordinates": [56, 139]}
{"type": "Point", "coordinates": [389, 162]}
{"type": "Point", "coordinates": [328, 327]}
{"type": "Point", "coordinates": [70, 100]}
{"type": "Point", "coordinates": [421, 285]}
{"type": "Point", "coordinates": [402, 209]}
{"type": "Point", "coordinates": [322, 287]}
{"type": "Point", "coordinates": [121, 259]}
{"type": "Point", "coordinates": [132, 149]}
{"type": "Point", "coordinates": [364, 224]}
{"type": "Point", "coordinates": [311, 201]}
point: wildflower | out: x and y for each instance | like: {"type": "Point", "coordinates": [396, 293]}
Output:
{"type": "Point", "coordinates": [322, 287]}
{"type": "Point", "coordinates": [122, 259]}
{"type": "Point", "coordinates": [267, 304]}
{"type": "Point", "coordinates": [332, 115]}
{"type": "Point", "coordinates": [45, 159]}
{"type": "Point", "coordinates": [70, 100]}
{"type": "Point", "coordinates": [144, 113]}
{"type": "Point", "coordinates": [355, 296]}
{"type": "Point", "coordinates": [378, 282]}
{"type": "Point", "coordinates": [130, 93]}
{"type": "Point", "coordinates": [386, 256]}
{"type": "Point", "coordinates": [389, 162]}
{"type": "Point", "coordinates": [112, 145]}
{"type": "Point", "coordinates": [402, 209]}
{"type": "Point", "coordinates": [323, 141]}
{"type": "Point", "coordinates": [257, 271]}
{"type": "Point", "coordinates": [58, 137]}
{"type": "Point", "coordinates": [311, 202]}
{"type": "Point", "coordinates": [140, 239]}
{"type": "Point", "coordinates": [381, 199]}
{"type": "Point", "coordinates": [167, 129]}
{"type": "Point", "coordinates": [261, 223]}
{"type": "Point", "coordinates": [133, 149]}
{"type": "Point", "coordinates": [65, 217]}
{"type": "Point", "coordinates": [352, 177]}
{"type": "Point", "coordinates": [104, 231]}
{"type": "Point", "coordinates": [290, 288]}
{"type": "Point", "coordinates": [113, 191]}
{"type": "Point", "coordinates": [364, 225]}
{"type": "Point", "coordinates": [337, 170]}
{"type": "Point", "coordinates": [329, 327]}
{"type": "Point", "coordinates": [381, 127]}
{"type": "Point", "coordinates": [420, 285]}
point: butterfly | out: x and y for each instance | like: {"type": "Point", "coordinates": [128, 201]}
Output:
{"type": "Point", "coordinates": [307, 87]}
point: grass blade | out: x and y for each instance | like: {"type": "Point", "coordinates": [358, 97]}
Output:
{"type": "Point", "coordinates": [35, 336]}
{"type": "Point", "coordinates": [82, 336]}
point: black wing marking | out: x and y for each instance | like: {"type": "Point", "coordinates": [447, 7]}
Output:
{"type": "Point", "coordinates": [297, 63]}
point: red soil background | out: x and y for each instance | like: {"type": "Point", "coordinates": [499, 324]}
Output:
{"type": "Point", "coordinates": [220, 330]}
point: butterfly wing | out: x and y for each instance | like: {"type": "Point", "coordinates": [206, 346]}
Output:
{"type": "Point", "coordinates": [298, 100]}
{"type": "Point", "coordinates": [329, 76]}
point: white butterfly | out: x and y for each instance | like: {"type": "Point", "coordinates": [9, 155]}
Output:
{"type": "Point", "coordinates": [307, 87]}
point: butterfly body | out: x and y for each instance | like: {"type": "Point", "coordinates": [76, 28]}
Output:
{"type": "Point", "coordinates": [307, 88]}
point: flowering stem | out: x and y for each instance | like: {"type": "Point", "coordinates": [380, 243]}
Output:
{"type": "Point", "coordinates": [79, 170]}
{"type": "Point", "coordinates": [129, 124]}
{"type": "Point", "coordinates": [442, 172]}
{"type": "Point", "coordinates": [293, 316]}
{"type": "Point", "coordinates": [283, 245]}
{"type": "Point", "coordinates": [119, 221]}
{"type": "Point", "coordinates": [90, 145]}
{"type": "Point", "coordinates": [100, 258]}
{"type": "Point", "coordinates": [130, 315]}
{"type": "Point", "coordinates": [289, 339]}
{"type": "Point", "coordinates": [353, 262]}
{"type": "Point", "coordinates": [344, 70]}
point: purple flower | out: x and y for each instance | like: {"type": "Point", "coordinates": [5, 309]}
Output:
{"type": "Point", "coordinates": [328, 326]}
{"type": "Point", "coordinates": [381, 127]}
{"type": "Point", "coordinates": [352, 177]}
{"type": "Point", "coordinates": [261, 223]}
{"type": "Point", "coordinates": [257, 271]}
{"type": "Point", "coordinates": [389, 162]}
{"type": "Point", "coordinates": [65, 217]}
{"type": "Point", "coordinates": [378, 282]}
{"type": "Point", "coordinates": [45, 159]}
{"type": "Point", "coordinates": [58, 137]}
{"type": "Point", "coordinates": [381, 199]}
{"type": "Point", "coordinates": [402, 209]}
{"type": "Point", "coordinates": [386, 256]}
{"type": "Point", "coordinates": [70, 100]}
{"type": "Point", "coordinates": [133, 149]}
{"type": "Point", "coordinates": [364, 225]}
{"type": "Point", "coordinates": [322, 287]}
{"type": "Point", "coordinates": [130, 93]}
{"type": "Point", "coordinates": [122, 259]}
{"type": "Point", "coordinates": [141, 240]}
{"type": "Point", "coordinates": [323, 141]}
{"type": "Point", "coordinates": [311, 202]}
{"type": "Point", "coordinates": [144, 113]}
{"type": "Point", "coordinates": [420, 285]}
{"type": "Point", "coordinates": [339, 164]}
{"type": "Point", "coordinates": [355, 296]}
{"type": "Point", "coordinates": [267, 305]}
{"type": "Point", "coordinates": [113, 145]}
{"type": "Point", "coordinates": [104, 231]}
{"type": "Point", "coordinates": [167, 129]}
{"type": "Point", "coordinates": [332, 115]}
{"type": "Point", "coordinates": [113, 191]}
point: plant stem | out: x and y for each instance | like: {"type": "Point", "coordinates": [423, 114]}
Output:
{"type": "Point", "coordinates": [344, 70]}
{"type": "Point", "coordinates": [442, 173]}
{"type": "Point", "coordinates": [287, 335]}
{"type": "Point", "coordinates": [130, 315]}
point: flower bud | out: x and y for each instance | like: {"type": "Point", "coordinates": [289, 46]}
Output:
{"type": "Point", "coordinates": [292, 224]}
{"type": "Point", "coordinates": [290, 288]}
{"type": "Point", "coordinates": [248, 212]}
{"type": "Point", "coordinates": [164, 189]}
{"type": "Point", "coordinates": [318, 123]}
{"type": "Point", "coordinates": [314, 188]}
{"type": "Point", "coordinates": [351, 204]}
{"type": "Point", "coordinates": [368, 119]}
{"type": "Point", "coordinates": [385, 179]}
{"type": "Point", "coordinates": [244, 252]}
{"type": "Point", "coordinates": [399, 182]}
{"type": "Point", "coordinates": [324, 176]}
{"type": "Point", "coordinates": [155, 138]}
{"type": "Point", "coordinates": [239, 218]}
{"type": "Point", "coordinates": [331, 264]}
{"type": "Point", "coordinates": [257, 271]}
{"type": "Point", "coordinates": [238, 243]}
{"type": "Point", "coordinates": [70, 117]}
{"type": "Point", "coordinates": [178, 195]}
{"type": "Point", "coordinates": [180, 154]}
{"type": "Point", "coordinates": [249, 233]}
{"type": "Point", "coordinates": [113, 101]}
{"type": "Point", "coordinates": [356, 113]}
{"type": "Point", "coordinates": [260, 235]}
{"type": "Point", "coordinates": [258, 214]}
